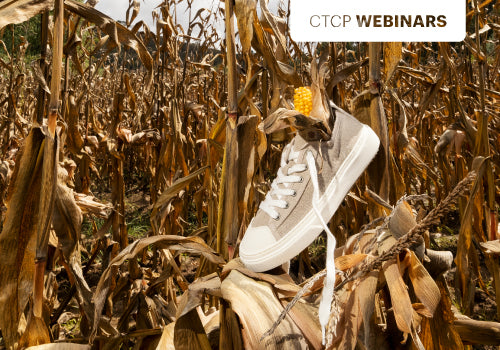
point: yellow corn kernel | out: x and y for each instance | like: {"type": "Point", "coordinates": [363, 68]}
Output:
{"type": "Point", "coordinates": [302, 100]}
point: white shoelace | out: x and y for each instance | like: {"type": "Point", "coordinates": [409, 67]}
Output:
{"type": "Point", "coordinates": [269, 204]}
{"type": "Point", "coordinates": [325, 306]}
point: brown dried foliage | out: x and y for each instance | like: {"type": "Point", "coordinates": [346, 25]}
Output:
{"type": "Point", "coordinates": [194, 125]}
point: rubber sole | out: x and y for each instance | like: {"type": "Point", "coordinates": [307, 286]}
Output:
{"type": "Point", "coordinates": [306, 231]}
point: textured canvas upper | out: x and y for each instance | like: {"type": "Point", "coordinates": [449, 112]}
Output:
{"type": "Point", "coordinates": [329, 155]}
{"type": "Point", "coordinates": [313, 179]}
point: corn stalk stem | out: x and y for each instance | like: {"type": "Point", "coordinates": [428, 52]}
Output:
{"type": "Point", "coordinates": [119, 227]}
{"type": "Point", "coordinates": [379, 169]}
{"type": "Point", "coordinates": [265, 96]}
{"type": "Point", "coordinates": [38, 288]}
{"type": "Point", "coordinates": [65, 86]}
{"type": "Point", "coordinates": [220, 207]}
{"type": "Point", "coordinates": [44, 28]}
{"type": "Point", "coordinates": [374, 63]}
{"type": "Point", "coordinates": [230, 219]}
{"type": "Point", "coordinates": [482, 143]}
{"type": "Point", "coordinates": [55, 83]}
{"type": "Point", "coordinates": [232, 78]}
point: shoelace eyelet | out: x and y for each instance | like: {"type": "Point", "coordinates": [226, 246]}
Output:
{"type": "Point", "coordinates": [286, 205]}
{"type": "Point", "coordinates": [301, 179]}
{"type": "Point", "coordinates": [294, 193]}
{"type": "Point", "coordinates": [277, 217]}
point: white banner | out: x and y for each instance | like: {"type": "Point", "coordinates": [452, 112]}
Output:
{"type": "Point", "coordinates": [384, 20]}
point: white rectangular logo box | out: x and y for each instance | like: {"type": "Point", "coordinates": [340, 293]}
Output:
{"type": "Point", "coordinates": [383, 20]}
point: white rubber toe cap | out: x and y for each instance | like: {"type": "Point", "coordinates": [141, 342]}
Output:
{"type": "Point", "coordinates": [255, 242]}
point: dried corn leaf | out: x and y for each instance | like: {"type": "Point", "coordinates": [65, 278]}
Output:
{"type": "Point", "coordinates": [119, 33]}
{"type": "Point", "coordinates": [171, 192]}
{"type": "Point", "coordinates": [464, 258]}
{"type": "Point", "coordinates": [17, 11]}
{"type": "Point", "coordinates": [273, 25]}
{"type": "Point", "coordinates": [402, 221]}
{"type": "Point", "coordinates": [425, 288]}
{"type": "Point", "coordinates": [491, 247]}
{"type": "Point", "coordinates": [67, 218]}
{"type": "Point", "coordinates": [437, 262]}
{"type": "Point", "coordinates": [337, 325]}
{"type": "Point", "coordinates": [422, 310]}
{"type": "Point", "coordinates": [438, 332]}
{"type": "Point", "coordinates": [189, 333]}
{"type": "Point", "coordinates": [252, 300]}
{"type": "Point", "coordinates": [343, 74]}
{"type": "Point", "coordinates": [478, 332]}
{"type": "Point", "coordinates": [70, 50]}
{"type": "Point", "coordinates": [346, 262]}
{"type": "Point", "coordinates": [367, 289]}
{"type": "Point", "coordinates": [136, 6]}
{"type": "Point", "coordinates": [230, 329]}
{"type": "Point", "coordinates": [167, 24]}
{"type": "Point", "coordinates": [433, 90]}
{"type": "Point", "coordinates": [445, 140]}
{"type": "Point", "coordinates": [38, 74]}
{"type": "Point", "coordinates": [393, 52]}
{"type": "Point", "coordinates": [247, 138]}
{"type": "Point", "coordinates": [151, 135]}
{"type": "Point", "coordinates": [36, 333]}
{"type": "Point", "coordinates": [353, 319]}
{"type": "Point", "coordinates": [183, 244]}
{"type": "Point", "coordinates": [130, 92]}
{"type": "Point", "coordinates": [74, 137]}
{"type": "Point", "coordinates": [89, 205]}
{"type": "Point", "coordinates": [310, 128]}
{"type": "Point", "coordinates": [281, 282]}
{"type": "Point", "coordinates": [418, 74]}
{"type": "Point", "coordinates": [402, 136]}
{"type": "Point", "coordinates": [305, 316]}
{"type": "Point", "coordinates": [360, 106]}
{"type": "Point", "coordinates": [282, 70]}
{"type": "Point", "coordinates": [403, 311]}
{"type": "Point", "coordinates": [243, 10]}
{"type": "Point", "coordinates": [18, 236]}
{"type": "Point", "coordinates": [320, 104]}
{"type": "Point", "coordinates": [47, 193]}
{"type": "Point", "coordinates": [167, 338]}
{"type": "Point", "coordinates": [193, 297]}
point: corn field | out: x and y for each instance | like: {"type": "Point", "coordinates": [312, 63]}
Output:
{"type": "Point", "coordinates": [132, 159]}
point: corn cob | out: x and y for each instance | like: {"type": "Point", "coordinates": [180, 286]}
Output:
{"type": "Point", "coordinates": [302, 100]}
